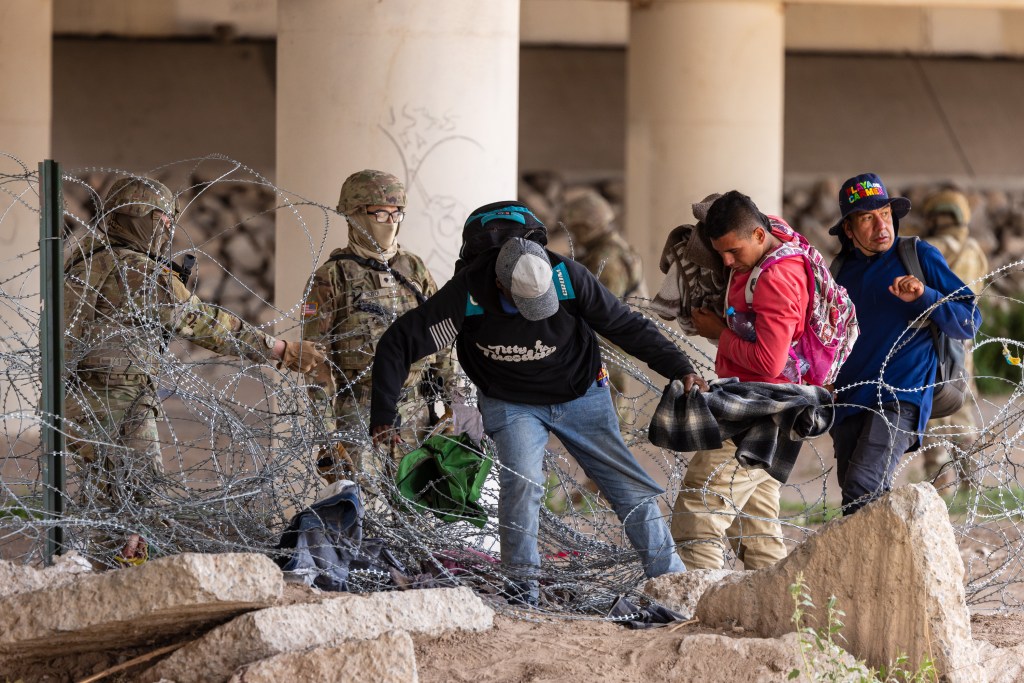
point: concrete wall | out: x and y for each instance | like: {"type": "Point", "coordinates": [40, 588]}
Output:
{"type": "Point", "coordinates": [943, 27]}
{"type": "Point", "coordinates": [136, 104]}
{"type": "Point", "coordinates": [572, 110]}
{"type": "Point", "coordinates": [132, 104]}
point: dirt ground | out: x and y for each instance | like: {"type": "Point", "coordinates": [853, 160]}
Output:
{"type": "Point", "coordinates": [518, 651]}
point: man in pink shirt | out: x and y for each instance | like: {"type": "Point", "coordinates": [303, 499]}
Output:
{"type": "Point", "coordinates": [754, 335]}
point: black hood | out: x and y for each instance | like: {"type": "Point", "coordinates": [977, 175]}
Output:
{"type": "Point", "coordinates": [491, 225]}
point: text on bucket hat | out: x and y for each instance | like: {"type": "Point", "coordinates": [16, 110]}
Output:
{"type": "Point", "coordinates": [524, 270]}
{"type": "Point", "coordinates": [865, 192]}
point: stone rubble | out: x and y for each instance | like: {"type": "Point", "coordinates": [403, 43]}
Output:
{"type": "Point", "coordinates": [680, 592]}
{"type": "Point", "coordinates": [894, 569]}
{"type": "Point", "coordinates": [118, 609]}
{"type": "Point", "coordinates": [265, 633]}
{"type": "Point", "coordinates": [389, 658]}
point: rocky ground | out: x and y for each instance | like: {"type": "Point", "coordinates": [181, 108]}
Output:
{"type": "Point", "coordinates": [526, 649]}
{"type": "Point", "coordinates": [556, 651]}
{"type": "Point", "coordinates": [229, 617]}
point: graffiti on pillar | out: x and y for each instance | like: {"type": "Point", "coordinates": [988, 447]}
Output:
{"type": "Point", "coordinates": [418, 135]}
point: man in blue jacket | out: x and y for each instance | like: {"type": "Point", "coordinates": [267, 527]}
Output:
{"type": "Point", "coordinates": [885, 397]}
{"type": "Point", "coordinates": [524, 321]}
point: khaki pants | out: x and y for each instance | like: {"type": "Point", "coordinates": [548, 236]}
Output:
{"type": "Point", "coordinates": [723, 498]}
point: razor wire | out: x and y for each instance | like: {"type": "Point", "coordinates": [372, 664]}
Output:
{"type": "Point", "coordinates": [238, 442]}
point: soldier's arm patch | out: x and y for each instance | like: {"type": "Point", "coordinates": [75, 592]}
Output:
{"type": "Point", "coordinates": [310, 309]}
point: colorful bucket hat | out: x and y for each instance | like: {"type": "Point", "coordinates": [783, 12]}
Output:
{"type": "Point", "coordinates": [866, 192]}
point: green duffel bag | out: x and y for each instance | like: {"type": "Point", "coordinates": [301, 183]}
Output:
{"type": "Point", "coordinates": [445, 476]}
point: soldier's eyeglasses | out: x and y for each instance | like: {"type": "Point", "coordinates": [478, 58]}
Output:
{"type": "Point", "coordinates": [382, 215]}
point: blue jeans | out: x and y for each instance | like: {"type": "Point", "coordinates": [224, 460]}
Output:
{"type": "Point", "coordinates": [868, 446]}
{"type": "Point", "coordinates": [589, 428]}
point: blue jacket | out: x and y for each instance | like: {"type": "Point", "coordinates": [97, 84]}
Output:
{"type": "Point", "coordinates": [884, 321]}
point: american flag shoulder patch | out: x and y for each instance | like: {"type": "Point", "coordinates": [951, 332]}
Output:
{"type": "Point", "coordinates": [443, 333]}
{"type": "Point", "coordinates": [309, 309]}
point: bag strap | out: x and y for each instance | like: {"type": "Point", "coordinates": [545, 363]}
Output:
{"type": "Point", "coordinates": [382, 268]}
{"type": "Point", "coordinates": [837, 265]}
{"type": "Point", "coordinates": [907, 250]}
{"type": "Point", "coordinates": [907, 247]}
{"type": "Point", "coordinates": [770, 259]}
{"type": "Point", "coordinates": [81, 257]}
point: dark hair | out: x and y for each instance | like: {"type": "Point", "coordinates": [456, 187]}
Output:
{"type": "Point", "coordinates": [733, 211]}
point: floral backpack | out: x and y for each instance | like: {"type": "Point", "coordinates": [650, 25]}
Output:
{"type": "Point", "coordinates": [831, 328]}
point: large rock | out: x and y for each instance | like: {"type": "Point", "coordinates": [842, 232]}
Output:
{"type": "Point", "coordinates": [391, 658]}
{"type": "Point", "coordinates": [259, 635]}
{"type": "Point", "coordinates": [129, 607]}
{"type": "Point", "coordinates": [20, 578]}
{"type": "Point", "coordinates": [894, 569]}
{"type": "Point", "coordinates": [681, 591]}
{"type": "Point", "coordinates": [1002, 664]}
{"type": "Point", "coordinates": [719, 659]}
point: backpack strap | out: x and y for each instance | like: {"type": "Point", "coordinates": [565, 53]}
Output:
{"type": "Point", "coordinates": [906, 248]}
{"type": "Point", "coordinates": [81, 257]}
{"type": "Point", "coordinates": [837, 265]}
{"type": "Point", "coordinates": [783, 251]}
{"type": "Point", "coordinates": [382, 268]}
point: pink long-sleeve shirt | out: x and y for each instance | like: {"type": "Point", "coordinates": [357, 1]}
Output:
{"type": "Point", "coordinates": [781, 304]}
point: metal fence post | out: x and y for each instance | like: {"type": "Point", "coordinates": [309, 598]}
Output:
{"type": "Point", "coordinates": [51, 336]}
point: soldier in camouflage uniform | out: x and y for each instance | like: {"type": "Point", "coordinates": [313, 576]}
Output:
{"type": "Point", "coordinates": [122, 303]}
{"type": "Point", "coordinates": [948, 216]}
{"type": "Point", "coordinates": [588, 217]}
{"type": "Point", "coordinates": [361, 289]}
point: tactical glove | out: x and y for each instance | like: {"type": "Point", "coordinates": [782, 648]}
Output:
{"type": "Point", "coordinates": [301, 356]}
{"type": "Point", "coordinates": [335, 463]}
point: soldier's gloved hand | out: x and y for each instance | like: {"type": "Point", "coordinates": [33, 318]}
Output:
{"type": "Point", "coordinates": [334, 462]}
{"type": "Point", "coordinates": [447, 421]}
{"type": "Point", "coordinates": [301, 356]}
{"type": "Point", "coordinates": [321, 375]}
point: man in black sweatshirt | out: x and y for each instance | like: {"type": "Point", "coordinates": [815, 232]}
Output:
{"type": "Point", "coordinates": [524, 321]}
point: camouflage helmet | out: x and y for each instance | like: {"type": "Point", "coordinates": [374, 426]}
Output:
{"type": "Point", "coordinates": [369, 188]}
{"type": "Point", "coordinates": [949, 201]}
{"type": "Point", "coordinates": [140, 197]}
{"type": "Point", "coordinates": [589, 208]}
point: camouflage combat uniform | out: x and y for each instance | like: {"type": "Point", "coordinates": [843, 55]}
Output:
{"type": "Point", "coordinates": [948, 216]}
{"type": "Point", "coordinates": [618, 266]}
{"type": "Point", "coordinates": [122, 305]}
{"type": "Point", "coordinates": [354, 297]}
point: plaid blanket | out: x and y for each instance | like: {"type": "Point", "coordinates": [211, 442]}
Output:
{"type": "Point", "coordinates": [765, 421]}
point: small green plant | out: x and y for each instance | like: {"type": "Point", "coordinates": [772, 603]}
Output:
{"type": "Point", "coordinates": [815, 515]}
{"type": "Point", "coordinates": [995, 503]}
{"type": "Point", "coordinates": [1000, 320]}
{"type": "Point", "coordinates": [19, 512]}
{"type": "Point", "coordinates": [823, 659]}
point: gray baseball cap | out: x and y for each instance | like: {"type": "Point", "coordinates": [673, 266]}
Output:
{"type": "Point", "coordinates": [524, 270]}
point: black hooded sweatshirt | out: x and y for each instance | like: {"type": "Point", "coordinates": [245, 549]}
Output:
{"type": "Point", "coordinates": [508, 357]}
